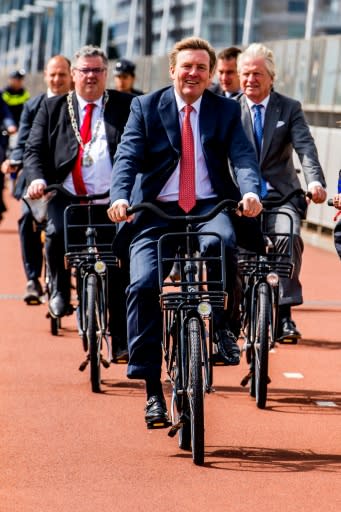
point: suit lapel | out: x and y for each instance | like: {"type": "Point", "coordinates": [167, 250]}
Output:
{"type": "Point", "coordinates": [272, 116]}
{"type": "Point", "coordinates": [247, 122]}
{"type": "Point", "coordinates": [207, 120]}
{"type": "Point", "coordinates": [170, 118]}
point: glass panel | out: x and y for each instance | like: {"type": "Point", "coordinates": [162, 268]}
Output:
{"type": "Point", "coordinates": [302, 80]}
{"type": "Point", "coordinates": [315, 69]}
{"type": "Point", "coordinates": [330, 71]}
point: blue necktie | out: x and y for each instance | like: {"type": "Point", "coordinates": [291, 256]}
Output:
{"type": "Point", "coordinates": [258, 131]}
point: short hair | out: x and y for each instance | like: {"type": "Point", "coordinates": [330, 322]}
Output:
{"type": "Point", "coordinates": [193, 43]}
{"type": "Point", "coordinates": [90, 51]}
{"type": "Point", "coordinates": [256, 50]}
{"type": "Point", "coordinates": [229, 53]}
{"type": "Point", "coordinates": [59, 57]}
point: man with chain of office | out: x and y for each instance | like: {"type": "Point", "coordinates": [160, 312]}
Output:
{"type": "Point", "coordinates": [73, 141]}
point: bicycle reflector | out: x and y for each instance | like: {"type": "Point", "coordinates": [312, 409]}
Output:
{"type": "Point", "coordinates": [100, 267]}
{"type": "Point", "coordinates": [204, 309]}
{"type": "Point", "coordinates": [272, 279]}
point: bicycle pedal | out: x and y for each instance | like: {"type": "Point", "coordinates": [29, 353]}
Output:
{"type": "Point", "coordinates": [104, 362]}
{"type": "Point", "coordinates": [288, 341]}
{"type": "Point", "coordinates": [174, 428]}
{"type": "Point", "coordinates": [155, 424]}
{"type": "Point", "coordinates": [218, 360]}
{"type": "Point", "coordinates": [83, 365]}
{"type": "Point", "coordinates": [244, 382]}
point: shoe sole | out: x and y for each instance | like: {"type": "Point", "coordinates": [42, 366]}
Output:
{"type": "Point", "coordinates": [218, 360]}
{"type": "Point", "coordinates": [32, 300]}
{"type": "Point", "coordinates": [289, 339]}
{"type": "Point", "coordinates": [120, 360]}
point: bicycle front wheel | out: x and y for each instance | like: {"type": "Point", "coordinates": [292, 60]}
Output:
{"type": "Point", "coordinates": [262, 345]}
{"type": "Point", "coordinates": [195, 391]}
{"type": "Point", "coordinates": [94, 334]}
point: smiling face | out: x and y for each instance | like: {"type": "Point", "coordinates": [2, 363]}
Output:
{"type": "Point", "coordinates": [255, 79]}
{"type": "Point", "coordinates": [57, 75]}
{"type": "Point", "coordinates": [191, 74]}
{"type": "Point", "coordinates": [90, 76]}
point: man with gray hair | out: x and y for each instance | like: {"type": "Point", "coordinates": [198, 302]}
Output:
{"type": "Point", "coordinates": [276, 126]}
{"type": "Point", "coordinates": [56, 153]}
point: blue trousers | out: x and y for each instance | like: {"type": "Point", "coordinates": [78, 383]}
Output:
{"type": "Point", "coordinates": [144, 317]}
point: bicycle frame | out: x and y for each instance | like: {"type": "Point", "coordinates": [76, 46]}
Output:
{"type": "Point", "coordinates": [261, 277]}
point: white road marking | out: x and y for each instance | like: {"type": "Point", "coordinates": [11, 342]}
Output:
{"type": "Point", "coordinates": [325, 403]}
{"type": "Point", "coordinates": [293, 375]}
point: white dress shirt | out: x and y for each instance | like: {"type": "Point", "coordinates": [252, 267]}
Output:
{"type": "Point", "coordinates": [203, 186]}
{"type": "Point", "coordinates": [96, 177]}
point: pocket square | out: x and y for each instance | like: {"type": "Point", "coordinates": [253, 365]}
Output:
{"type": "Point", "coordinates": [279, 124]}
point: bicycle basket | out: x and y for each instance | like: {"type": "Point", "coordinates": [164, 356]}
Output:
{"type": "Point", "coordinates": [88, 233]}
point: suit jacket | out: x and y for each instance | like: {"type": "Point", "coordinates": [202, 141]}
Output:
{"type": "Point", "coordinates": [285, 129]}
{"type": "Point", "coordinates": [52, 147]}
{"type": "Point", "coordinates": [150, 150]}
{"type": "Point", "coordinates": [151, 147]}
{"type": "Point", "coordinates": [28, 114]}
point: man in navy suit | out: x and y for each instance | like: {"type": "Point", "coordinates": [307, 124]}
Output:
{"type": "Point", "coordinates": [147, 168]}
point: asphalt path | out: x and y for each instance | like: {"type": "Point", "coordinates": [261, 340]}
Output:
{"type": "Point", "coordinates": [63, 448]}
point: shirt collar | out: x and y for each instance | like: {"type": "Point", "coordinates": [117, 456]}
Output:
{"type": "Point", "coordinates": [181, 103]}
{"type": "Point", "coordinates": [82, 102]}
{"type": "Point", "coordinates": [264, 102]}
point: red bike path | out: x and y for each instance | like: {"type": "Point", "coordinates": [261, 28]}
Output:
{"type": "Point", "coordinates": [63, 448]}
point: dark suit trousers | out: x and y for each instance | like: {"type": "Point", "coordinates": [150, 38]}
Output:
{"type": "Point", "coordinates": [144, 315]}
{"type": "Point", "coordinates": [290, 290]}
{"type": "Point", "coordinates": [31, 244]}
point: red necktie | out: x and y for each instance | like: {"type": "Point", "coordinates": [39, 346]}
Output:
{"type": "Point", "coordinates": [187, 196]}
{"type": "Point", "coordinates": [85, 133]}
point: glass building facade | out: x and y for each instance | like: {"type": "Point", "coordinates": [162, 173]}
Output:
{"type": "Point", "coordinates": [33, 30]}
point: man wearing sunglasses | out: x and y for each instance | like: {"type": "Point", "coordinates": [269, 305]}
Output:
{"type": "Point", "coordinates": [58, 151]}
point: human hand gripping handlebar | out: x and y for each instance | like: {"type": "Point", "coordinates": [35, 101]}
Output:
{"type": "Point", "coordinates": [38, 207]}
{"type": "Point", "coordinates": [75, 197]}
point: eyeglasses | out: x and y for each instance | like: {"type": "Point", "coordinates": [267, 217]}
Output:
{"type": "Point", "coordinates": [87, 71]}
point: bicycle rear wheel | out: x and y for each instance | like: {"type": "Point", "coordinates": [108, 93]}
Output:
{"type": "Point", "coordinates": [262, 345]}
{"type": "Point", "coordinates": [195, 391]}
{"type": "Point", "coordinates": [94, 333]}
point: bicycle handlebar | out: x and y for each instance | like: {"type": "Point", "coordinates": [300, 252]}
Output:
{"type": "Point", "coordinates": [269, 203]}
{"type": "Point", "coordinates": [229, 204]}
{"type": "Point", "coordinates": [77, 197]}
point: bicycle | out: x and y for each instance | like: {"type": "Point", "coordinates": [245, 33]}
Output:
{"type": "Point", "coordinates": [261, 274]}
{"type": "Point", "coordinates": [188, 323]}
{"type": "Point", "coordinates": [88, 251]}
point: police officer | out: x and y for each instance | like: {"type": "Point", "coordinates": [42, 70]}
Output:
{"type": "Point", "coordinates": [124, 77]}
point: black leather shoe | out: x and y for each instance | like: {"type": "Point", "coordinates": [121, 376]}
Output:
{"type": "Point", "coordinates": [33, 293]}
{"type": "Point", "coordinates": [287, 332]}
{"type": "Point", "coordinates": [228, 350]}
{"type": "Point", "coordinates": [58, 306]}
{"type": "Point", "coordinates": [156, 413]}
